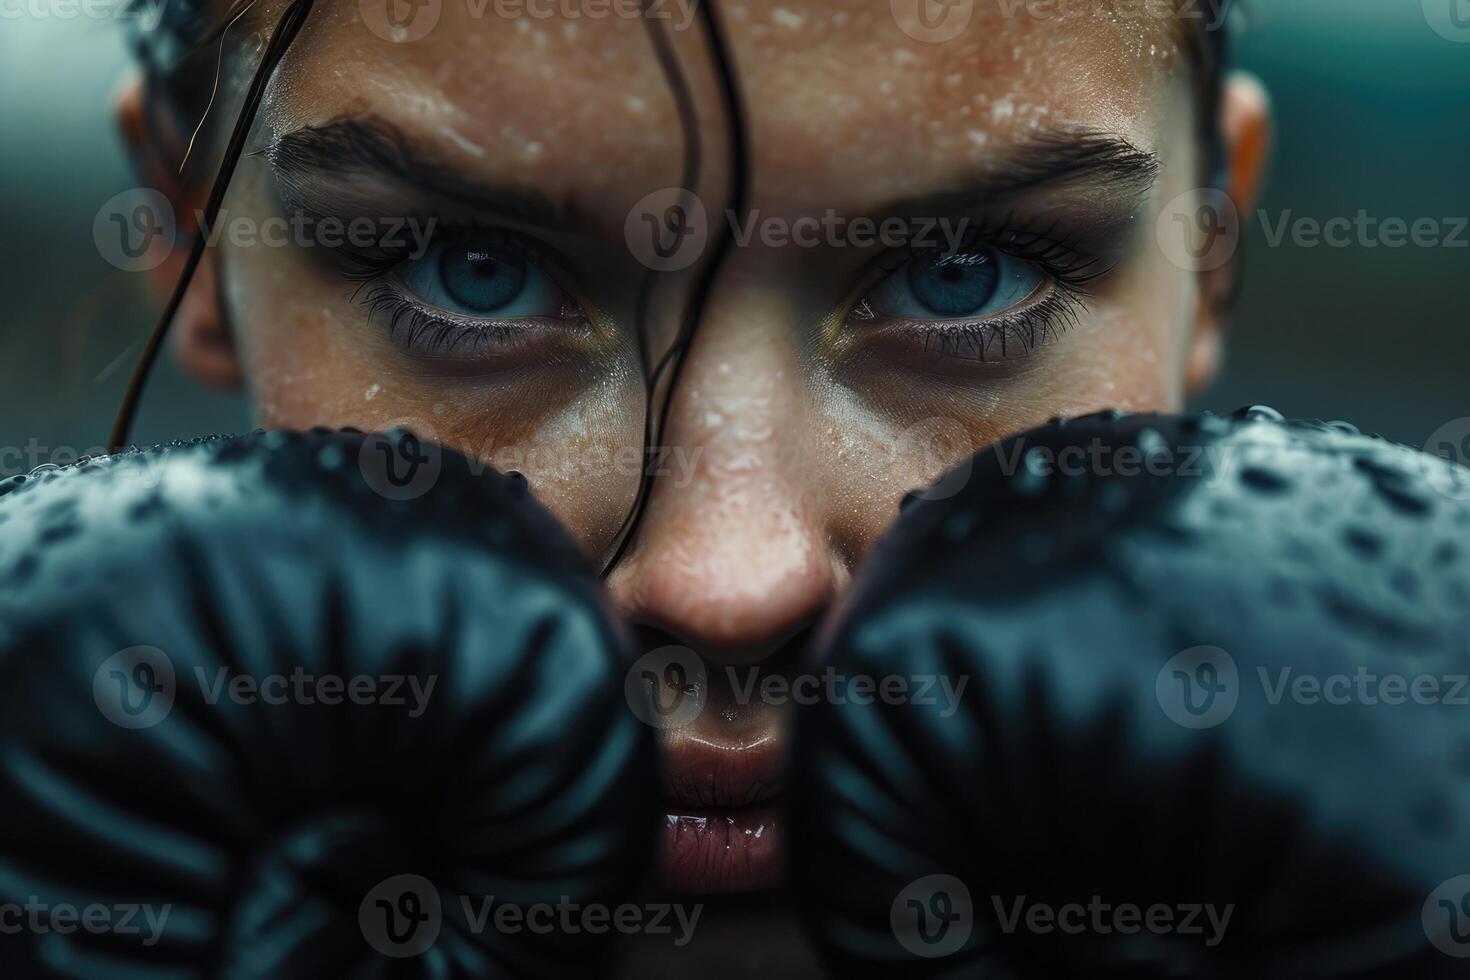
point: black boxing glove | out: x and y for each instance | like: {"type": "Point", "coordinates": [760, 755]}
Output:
{"type": "Point", "coordinates": [1160, 761]}
{"type": "Point", "coordinates": [306, 705]}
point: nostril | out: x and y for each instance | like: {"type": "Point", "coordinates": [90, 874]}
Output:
{"type": "Point", "coordinates": [733, 685]}
{"type": "Point", "coordinates": [785, 653]}
{"type": "Point", "coordinates": [744, 614]}
{"type": "Point", "coordinates": [777, 651]}
{"type": "Point", "coordinates": [736, 689]}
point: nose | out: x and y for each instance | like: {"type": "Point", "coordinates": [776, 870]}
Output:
{"type": "Point", "coordinates": [732, 555]}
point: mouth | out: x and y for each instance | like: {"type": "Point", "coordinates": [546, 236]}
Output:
{"type": "Point", "coordinates": [722, 829]}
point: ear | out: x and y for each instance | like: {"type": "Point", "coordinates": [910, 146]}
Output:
{"type": "Point", "coordinates": [198, 336]}
{"type": "Point", "coordinates": [1245, 122]}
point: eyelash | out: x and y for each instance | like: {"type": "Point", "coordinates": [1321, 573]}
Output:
{"type": "Point", "coordinates": [1071, 273]}
{"type": "Point", "coordinates": [419, 328]}
{"type": "Point", "coordinates": [416, 327]}
{"type": "Point", "coordinates": [1027, 329]}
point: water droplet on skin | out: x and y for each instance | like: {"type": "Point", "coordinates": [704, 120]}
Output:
{"type": "Point", "coordinates": [787, 18]}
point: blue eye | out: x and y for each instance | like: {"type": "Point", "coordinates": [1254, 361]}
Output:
{"type": "Point", "coordinates": [971, 282]}
{"type": "Point", "coordinates": [482, 280]}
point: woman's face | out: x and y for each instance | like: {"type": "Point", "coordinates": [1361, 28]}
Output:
{"type": "Point", "coordinates": [1023, 164]}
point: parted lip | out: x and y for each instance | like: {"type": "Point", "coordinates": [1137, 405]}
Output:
{"type": "Point", "coordinates": [722, 851]}
{"type": "Point", "coordinates": [720, 787]}
{"type": "Point", "coordinates": [704, 772]}
{"type": "Point", "coordinates": [722, 777]}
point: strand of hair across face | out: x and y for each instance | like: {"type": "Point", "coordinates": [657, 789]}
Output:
{"type": "Point", "coordinates": [738, 194]}
{"type": "Point", "coordinates": [689, 182]}
{"type": "Point", "coordinates": [285, 33]}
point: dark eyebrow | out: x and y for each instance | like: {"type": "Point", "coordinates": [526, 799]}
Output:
{"type": "Point", "coordinates": [369, 144]}
{"type": "Point", "coordinates": [1048, 158]}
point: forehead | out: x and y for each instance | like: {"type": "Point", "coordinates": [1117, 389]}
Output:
{"type": "Point", "coordinates": [839, 97]}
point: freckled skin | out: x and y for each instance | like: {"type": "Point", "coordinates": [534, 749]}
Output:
{"type": "Point", "coordinates": [802, 435]}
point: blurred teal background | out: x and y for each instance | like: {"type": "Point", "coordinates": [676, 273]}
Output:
{"type": "Point", "coordinates": [1373, 110]}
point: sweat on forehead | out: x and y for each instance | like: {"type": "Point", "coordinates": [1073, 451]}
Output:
{"type": "Point", "coordinates": [830, 89]}
{"type": "Point", "coordinates": [1156, 31]}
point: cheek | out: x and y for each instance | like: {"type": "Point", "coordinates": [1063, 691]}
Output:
{"type": "Point", "coordinates": [310, 359]}
{"type": "Point", "coordinates": [1127, 355]}
{"type": "Point", "coordinates": [878, 450]}
{"type": "Point", "coordinates": [286, 325]}
{"type": "Point", "coordinates": [1134, 362]}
